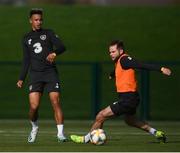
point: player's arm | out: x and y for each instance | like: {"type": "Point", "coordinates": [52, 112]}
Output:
{"type": "Point", "coordinates": [59, 47]}
{"type": "Point", "coordinates": [128, 62]}
{"type": "Point", "coordinates": [25, 66]}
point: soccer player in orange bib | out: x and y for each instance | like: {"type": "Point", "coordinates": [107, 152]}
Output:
{"type": "Point", "coordinates": [126, 86]}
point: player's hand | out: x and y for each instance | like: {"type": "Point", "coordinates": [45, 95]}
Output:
{"type": "Point", "coordinates": [166, 71]}
{"type": "Point", "coordinates": [51, 57]}
{"type": "Point", "coordinates": [19, 84]}
{"type": "Point", "coordinates": [110, 77]}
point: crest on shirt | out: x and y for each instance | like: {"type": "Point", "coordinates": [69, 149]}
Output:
{"type": "Point", "coordinates": [30, 87]}
{"type": "Point", "coordinates": [29, 41]}
{"type": "Point", "coordinates": [130, 58]}
{"type": "Point", "coordinates": [114, 103]}
{"type": "Point", "coordinates": [43, 37]}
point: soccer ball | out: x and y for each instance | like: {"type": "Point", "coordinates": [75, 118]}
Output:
{"type": "Point", "coordinates": [98, 137]}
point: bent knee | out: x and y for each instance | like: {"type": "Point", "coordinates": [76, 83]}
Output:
{"type": "Point", "coordinates": [34, 107]}
{"type": "Point", "coordinates": [55, 102]}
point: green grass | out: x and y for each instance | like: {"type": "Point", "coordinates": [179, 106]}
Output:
{"type": "Point", "coordinates": [120, 137]}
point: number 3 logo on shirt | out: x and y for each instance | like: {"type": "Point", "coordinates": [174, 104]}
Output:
{"type": "Point", "coordinates": [37, 48]}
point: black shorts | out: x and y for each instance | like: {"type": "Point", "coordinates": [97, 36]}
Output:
{"type": "Point", "coordinates": [40, 81]}
{"type": "Point", "coordinates": [127, 103]}
{"type": "Point", "coordinates": [47, 86]}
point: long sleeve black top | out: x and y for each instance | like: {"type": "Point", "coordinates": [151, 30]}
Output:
{"type": "Point", "coordinates": [37, 45]}
{"type": "Point", "coordinates": [128, 62]}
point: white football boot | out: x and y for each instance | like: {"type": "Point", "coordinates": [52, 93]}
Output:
{"type": "Point", "coordinates": [32, 136]}
{"type": "Point", "coordinates": [61, 138]}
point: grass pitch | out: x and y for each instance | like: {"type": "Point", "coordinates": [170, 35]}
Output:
{"type": "Point", "coordinates": [120, 137]}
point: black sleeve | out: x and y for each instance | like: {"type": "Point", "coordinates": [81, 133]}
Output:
{"type": "Point", "coordinates": [128, 62]}
{"type": "Point", "coordinates": [25, 62]}
{"type": "Point", "coordinates": [59, 46]}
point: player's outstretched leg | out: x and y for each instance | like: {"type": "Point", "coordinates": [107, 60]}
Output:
{"type": "Point", "coordinates": [33, 134]}
{"type": "Point", "coordinates": [161, 137]}
{"type": "Point", "coordinates": [133, 121]}
{"type": "Point", "coordinates": [98, 123]}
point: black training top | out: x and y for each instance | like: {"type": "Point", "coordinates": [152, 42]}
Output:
{"type": "Point", "coordinates": [37, 45]}
{"type": "Point", "coordinates": [127, 62]}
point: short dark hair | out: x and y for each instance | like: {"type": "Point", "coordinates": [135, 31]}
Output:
{"type": "Point", "coordinates": [36, 11]}
{"type": "Point", "coordinates": [119, 43]}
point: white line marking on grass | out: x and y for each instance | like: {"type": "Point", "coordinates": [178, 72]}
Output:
{"type": "Point", "coordinates": [1, 131]}
{"type": "Point", "coordinates": [10, 135]}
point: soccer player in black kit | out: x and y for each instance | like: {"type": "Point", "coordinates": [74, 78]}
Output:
{"type": "Point", "coordinates": [40, 48]}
